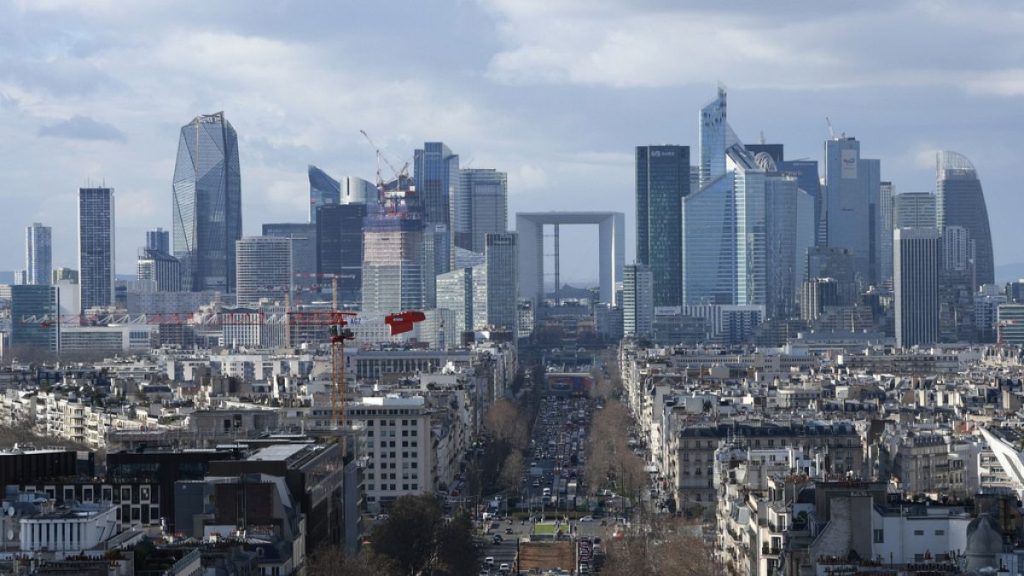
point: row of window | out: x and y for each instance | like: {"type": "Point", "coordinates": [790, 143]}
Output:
{"type": "Point", "coordinates": [393, 487]}
{"type": "Point", "coordinates": [879, 534]}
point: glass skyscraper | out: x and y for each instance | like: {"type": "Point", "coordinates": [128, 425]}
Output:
{"type": "Point", "coordinates": [480, 207]}
{"type": "Point", "coordinates": [915, 285]}
{"type": "Point", "coordinates": [339, 249]}
{"type": "Point", "coordinates": [914, 210]}
{"type": "Point", "coordinates": [851, 202]}
{"type": "Point", "coordinates": [159, 240]}
{"type": "Point", "coordinates": [961, 202]}
{"type": "Point", "coordinates": [436, 177]}
{"type": "Point", "coordinates": [662, 181]}
{"type": "Point", "coordinates": [207, 208]}
{"type": "Point", "coordinates": [38, 254]}
{"type": "Point", "coordinates": [502, 262]}
{"type": "Point", "coordinates": [96, 246]}
{"type": "Point", "coordinates": [322, 190]}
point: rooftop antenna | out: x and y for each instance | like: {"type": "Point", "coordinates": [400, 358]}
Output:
{"type": "Point", "coordinates": [762, 137]}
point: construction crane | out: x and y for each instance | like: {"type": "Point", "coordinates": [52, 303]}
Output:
{"type": "Point", "coordinates": [336, 323]}
{"type": "Point", "coordinates": [398, 174]}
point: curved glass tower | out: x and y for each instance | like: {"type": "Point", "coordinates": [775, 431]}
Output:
{"type": "Point", "coordinates": [207, 207]}
{"type": "Point", "coordinates": [961, 202]}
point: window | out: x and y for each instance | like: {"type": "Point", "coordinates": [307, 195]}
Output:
{"type": "Point", "coordinates": [879, 536]}
{"type": "Point", "coordinates": [940, 532]}
{"type": "Point", "coordinates": [918, 532]}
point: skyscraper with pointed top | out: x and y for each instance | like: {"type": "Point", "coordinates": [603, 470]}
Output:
{"type": "Point", "coordinates": [207, 203]}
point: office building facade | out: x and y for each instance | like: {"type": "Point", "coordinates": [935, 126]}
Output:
{"type": "Point", "coordinates": [393, 262]}
{"type": "Point", "coordinates": [303, 241]}
{"type": "Point", "coordinates": [96, 247]}
{"type": "Point", "coordinates": [35, 317]}
{"type": "Point", "coordinates": [662, 181]}
{"type": "Point", "coordinates": [339, 250]}
{"type": "Point", "coordinates": [960, 201]}
{"type": "Point", "coordinates": [264, 268]}
{"type": "Point", "coordinates": [915, 286]}
{"type": "Point", "coordinates": [38, 254]}
{"type": "Point", "coordinates": [637, 300]}
{"type": "Point", "coordinates": [502, 260]}
{"type": "Point", "coordinates": [323, 190]}
{"type": "Point", "coordinates": [159, 240]}
{"type": "Point", "coordinates": [480, 207]}
{"type": "Point", "coordinates": [158, 271]}
{"type": "Point", "coordinates": [207, 203]}
{"type": "Point", "coordinates": [436, 178]}
{"type": "Point", "coordinates": [914, 210]}
{"type": "Point", "coordinates": [852, 187]}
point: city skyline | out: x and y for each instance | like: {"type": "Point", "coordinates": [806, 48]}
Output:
{"type": "Point", "coordinates": [577, 147]}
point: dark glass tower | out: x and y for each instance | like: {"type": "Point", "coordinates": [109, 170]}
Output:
{"type": "Point", "coordinates": [96, 246]}
{"type": "Point", "coordinates": [339, 249]}
{"type": "Point", "coordinates": [961, 202]}
{"type": "Point", "coordinates": [207, 207]}
{"type": "Point", "coordinates": [436, 176]}
{"type": "Point", "coordinates": [662, 181]}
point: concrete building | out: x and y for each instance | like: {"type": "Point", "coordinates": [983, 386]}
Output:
{"type": "Point", "coordinates": [158, 271]}
{"type": "Point", "coordinates": [637, 301]}
{"type": "Point", "coordinates": [394, 434]}
{"type": "Point", "coordinates": [915, 285]}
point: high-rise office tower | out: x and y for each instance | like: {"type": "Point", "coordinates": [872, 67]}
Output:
{"type": "Point", "coordinates": [807, 180]}
{"type": "Point", "coordinates": [480, 207]}
{"type": "Point", "coordinates": [637, 300]}
{"type": "Point", "coordinates": [662, 181]}
{"type": "Point", "coordinates": [35, 321]}
{"type": "Point", "coordinates": [302, 238]}
{"type": "Point", "coordinates": [158, 239]}
{"type": "Point", "coordinates": [464, 292]}
{"type": "Point", "coordinates": [851, 203]}
{"type": "Point", "coordinates": [837, 263]}
{"type": "Point", "coordinates": [322, 190]}
{"type": "Point", "coordinates": [749, 197]}
{"type": "Point", "coordinates": [264, 268]}
{"type": "Point", "coordinates": [502, 281]}
{"type": "Point", "coordinates": [815, 295]}
{"type": "Point", "coordinates": [783, 242]}
{"type": "Point", "coordinates": [38, 254]}
{"type": "Point", "coordinates": [709, 261]}
{"type": "Point", "coordinates": [339, 249]}
{"type": "Point", "coordinates": [957, 251]}
{"type": "Point", "coordinates": [96, 246]}
{"type": "Point", "coordinates": [158, 271]}
{"type": "Point", "coordinates": [886, 193]}
{"type": "Point", "coordinates": [915, 285]}
{"type": "Point", "coordinates": [715, 138]}
{"type": "Point", "coordinates": [207, 208]}
{"type": "Point", "coordinates": [358, 191]}
{"type": "Point", "coordinates": [961, 202]}
{"type": "Point", "coordinates": [393, 257]}
{"type": "Point", "coordinates": [436, 177]}
{"type": "Point", "coordinates": [913, 210]}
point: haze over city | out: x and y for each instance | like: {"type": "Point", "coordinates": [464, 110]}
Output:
{"type": "Point", "coordinates": [555, 93]}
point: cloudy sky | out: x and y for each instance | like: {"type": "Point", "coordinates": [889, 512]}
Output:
{"type": "Point", "coordinates": [555, 92]}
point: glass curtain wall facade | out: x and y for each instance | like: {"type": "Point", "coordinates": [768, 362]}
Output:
{"type": "Point", "coordinates": [436, 176]}
{"type": "Point", "coordinates": [709, 244]}
{"type": "Point", "coordinates": [662, 181]}
{"type": "Point", "coordinates": [207, 208]}
{"type": "Point", "coordinates": [339, 250]}
{"type": "Point", "coordinates": [782, 225]}
{"type": "Point", "coordinates": [323, 190]}
{"type": "Point", "coordinates": [961, 202]}
{"type": "Point", "coordinates": [393, 251]}
{"type": "Point", "coordinates": [35, 320]}
{"type": "Point", "coordinates": [851, 200]}
{"type": "Point", "coordinates": [38, 254]}
{"type": "Point", "coordinates": [914, 210]}
{"type": "Point", "coordinates": [886, 193]}
{"type": "Point", "coordinates": [749, 182]}
{"type": "Point", "coordinates": [502, 281]}
{"type": "Point", "coordinates": [480, 207]}
{"type": "Point", "coordinates": [96, 246]}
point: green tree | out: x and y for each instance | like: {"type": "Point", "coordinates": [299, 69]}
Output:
{"type": "Point", "coordinates": [407, 536]}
